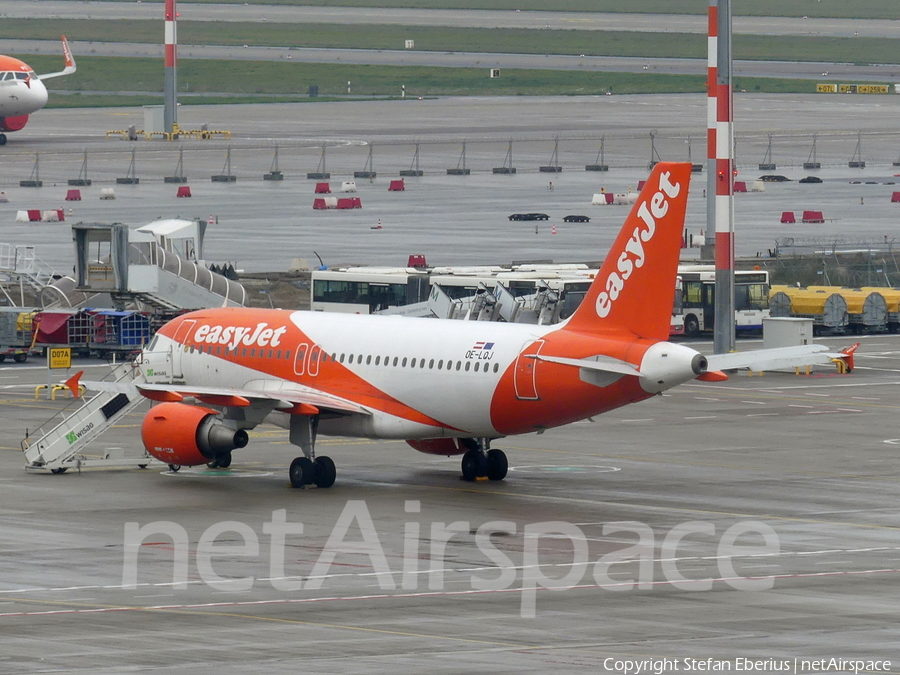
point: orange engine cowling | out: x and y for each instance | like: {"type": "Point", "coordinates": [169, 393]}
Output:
{"type": "Point", "coordinates": [188, 435]}
{"type": "Point", "coordinates": [13, 123]}
{"type": "Point", "coordinates": [443, 446]}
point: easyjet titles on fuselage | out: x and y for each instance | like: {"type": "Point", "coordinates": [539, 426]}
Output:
{"type": "Point", "coordinates": [633, 255]}
{"type": "Point", "coordinates": [232, 336]}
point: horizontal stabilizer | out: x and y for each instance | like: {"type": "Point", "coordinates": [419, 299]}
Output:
{"type": "Point", "coordinates": [599, 363]}
{"type": "Point", "coordinates": [769, 359]}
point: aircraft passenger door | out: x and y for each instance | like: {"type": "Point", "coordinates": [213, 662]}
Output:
{"type": "Point", "coordinates": [709, 306]}
{"type": "Point", "coordinates": [180, 349]}
{"type": "Point", "coordinates": [300, 359]}
{"type": "Point", "coordinates": [312, 368]}
{"type": "Point", "coordinates": [525, 372]}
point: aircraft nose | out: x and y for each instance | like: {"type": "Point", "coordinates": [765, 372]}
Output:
{"type": "Point", "coordinates": [37, 94]}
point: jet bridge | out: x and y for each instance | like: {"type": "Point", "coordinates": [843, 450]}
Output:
{"type": "Point", "coordinates": [156, 267]}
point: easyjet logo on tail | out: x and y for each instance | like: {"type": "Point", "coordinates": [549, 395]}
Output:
{"type": "Point", "coordinates": [232, 336]}
{"type": "Point", "coordinates": [633, 257]}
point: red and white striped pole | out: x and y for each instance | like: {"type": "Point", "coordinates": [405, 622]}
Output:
{"type": "Point", "coordinates": [170, 110]}
{"type": "Point", "coordinates": [712, 58]}
{"type": "Point", "coordinates": [723, 336]}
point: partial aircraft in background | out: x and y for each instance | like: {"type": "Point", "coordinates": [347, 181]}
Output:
{"type": "Point", "coordinates": [445, 387]}
{"type": "Point", "coordinates": [22, 92]}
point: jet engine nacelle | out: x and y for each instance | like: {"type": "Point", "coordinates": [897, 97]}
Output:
{"type": "Point", "coordinates": [188, 435]}
{"type": "Point", "coordinates": [13, 123]}
{"type": "Point", "coordinates": [442, 446]}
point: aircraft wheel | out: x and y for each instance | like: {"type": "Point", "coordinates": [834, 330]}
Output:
{"type": "Point", "coordinates": [498, 465]}
{"type": "Point", "coordinates": [174, 468]}
{"type": "Point", "coordinates": [326, 472]}
{"type": "Point", "coordinates": [473, 465]}
{"type": "Point", "coordinates": [222, 461]}
{"type": "Point", "coordinates": [302, 472]}
{"type": "Point", "coordinates": [691, 326]}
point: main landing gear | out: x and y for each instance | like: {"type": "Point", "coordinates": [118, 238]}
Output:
{"type": "Point", "coordinates": [309, 469]}
{"type": "Point", "coordinates": [222, 461]}
{"type": "Point", "coordinates": [480, 461]}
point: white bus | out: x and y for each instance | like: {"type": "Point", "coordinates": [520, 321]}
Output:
{"type": "Point", "coordinates": [695, 304]}
{"type": "Point", "coordinates": [367, 290]}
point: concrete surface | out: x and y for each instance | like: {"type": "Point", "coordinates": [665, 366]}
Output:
{"type": "Point", "coordinates": [812, 458]}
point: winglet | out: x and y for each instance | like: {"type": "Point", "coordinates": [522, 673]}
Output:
{"type": "Point", "coordinates": [635, 287]}
{"type": "Point", "coordinates": [74, 384]}
{"type": "Point", "coordinates": [847, 355]}
{"type": "Point", "coordinates": [69, 59]}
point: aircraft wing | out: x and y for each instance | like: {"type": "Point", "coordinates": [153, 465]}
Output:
{"type": "Point", "coordinates": [70, 62]}
{"type": "Point", "coordinates": [294, 398]}
{"type": "Point", "coordinates": [779, 357]}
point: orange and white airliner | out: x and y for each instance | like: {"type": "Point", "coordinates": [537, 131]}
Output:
{"type": "Point", "coordinates": [22, 92]}
{"type": "Point", "coordinates": [446, 387]}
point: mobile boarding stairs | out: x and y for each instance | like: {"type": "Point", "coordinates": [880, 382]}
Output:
{"type": "Point", "coordinates": [61, 446]}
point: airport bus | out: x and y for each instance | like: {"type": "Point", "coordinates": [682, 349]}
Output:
{"type": "Point", "coordinates": [695, 304]}
{"type": "Point", "coordinates": [367, 290]}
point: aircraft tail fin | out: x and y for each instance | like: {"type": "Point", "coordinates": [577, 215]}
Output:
{"type": "Point", "coordinates": [635, 287]}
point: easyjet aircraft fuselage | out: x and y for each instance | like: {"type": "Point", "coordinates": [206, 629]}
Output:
{"type": "Point", "coordinates": [22, 91]}
{"type": "Point", "coordinates": [419, 379]}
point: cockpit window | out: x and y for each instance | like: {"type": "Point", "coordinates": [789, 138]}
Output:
{"type": "Point", "coordinates": [152, 344]}
{"type": "Point", "coordinates": [9, 76]}
{"type": "Point", "coordinates": [21, 76]}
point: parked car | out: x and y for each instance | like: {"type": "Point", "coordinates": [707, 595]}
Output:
{"type": "Point", "coordinates": [529, 216]}
{"type": "Point", "coordinates": [810, 179]}
{"type": "Point", "coordinates": [576, 219]}
{"type": "Point", "coordinates": [774, 178]}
